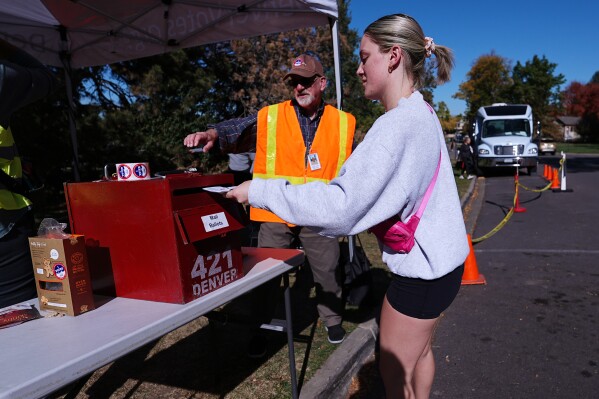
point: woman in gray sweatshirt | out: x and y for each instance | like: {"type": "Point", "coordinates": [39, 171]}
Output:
{"type": "Point", "coordinates": [386, 176]}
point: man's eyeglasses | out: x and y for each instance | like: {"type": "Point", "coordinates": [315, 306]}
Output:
{"type": "Point", "coordinates": [305, 82]}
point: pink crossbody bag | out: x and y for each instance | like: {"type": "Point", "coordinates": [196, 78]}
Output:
{"type": "Point", "coordinates": [397, 235]}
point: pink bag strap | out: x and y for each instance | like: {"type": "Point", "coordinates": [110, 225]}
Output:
{"type": "Point", "coordinates": [429, 191]}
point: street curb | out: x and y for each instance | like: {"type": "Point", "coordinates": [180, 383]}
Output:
{"type": "Point", "coordinates": [335, 376]}
{"type": "Point", "coordinates": [336, 373]}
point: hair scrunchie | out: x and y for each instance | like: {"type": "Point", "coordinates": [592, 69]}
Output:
{"type": "Point", "coordinates": [429, 46]}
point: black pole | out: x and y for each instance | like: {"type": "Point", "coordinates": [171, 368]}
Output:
{"type": "Point", "coordinates": [65, 58]}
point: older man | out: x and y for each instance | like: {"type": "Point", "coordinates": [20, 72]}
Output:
{"type": "Point", "coordinates": [300, 140]}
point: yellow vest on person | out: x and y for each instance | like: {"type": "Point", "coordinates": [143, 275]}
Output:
{"type": "Point", "coordinates": [280, 148]}
{"type": "Point", "coordinates": [10, 163]}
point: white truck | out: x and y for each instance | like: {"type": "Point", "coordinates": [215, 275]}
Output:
{"type": "Point", "coordinates": [504, 137]}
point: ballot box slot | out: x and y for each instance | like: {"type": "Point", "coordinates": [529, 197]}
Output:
{"type": "Point", "coordinates": [188, 191]}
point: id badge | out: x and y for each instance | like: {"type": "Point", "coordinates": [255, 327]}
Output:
{"type": "Point", "coordinates": [314, 161]}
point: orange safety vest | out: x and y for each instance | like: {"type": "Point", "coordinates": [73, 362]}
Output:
{"type": "Point", "coordinates": [280, 148]}
{"type": "Point", "coordinates": [10, 163]}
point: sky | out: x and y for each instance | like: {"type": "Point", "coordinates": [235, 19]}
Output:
{"type": "Point", "coordinates": [566, 33]}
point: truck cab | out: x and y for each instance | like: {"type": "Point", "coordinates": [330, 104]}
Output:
{"type": "Point", "coordinates": [504, 137]}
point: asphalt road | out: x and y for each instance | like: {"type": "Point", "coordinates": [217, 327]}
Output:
{"type": "Point", "coordinates": [532, 330]}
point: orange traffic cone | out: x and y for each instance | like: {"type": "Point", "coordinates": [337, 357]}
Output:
{"type": "Point", "coordinates": [546, 172]}
{"type": "Point", "coordinates": [471, 275]}
{"type": "Point", "coordinates": [555, 181]}
{"type": "Point", "coordinates": [549, 174]}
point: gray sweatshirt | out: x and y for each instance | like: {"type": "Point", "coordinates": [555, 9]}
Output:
{"type": "Point", "coordinates": [387, 174]}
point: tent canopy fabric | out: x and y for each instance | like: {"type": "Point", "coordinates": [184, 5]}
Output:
{"type": "Point", "coordinates": [98, 32]}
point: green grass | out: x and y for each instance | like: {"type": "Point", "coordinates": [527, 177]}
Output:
{"type": "Point", "coordinates": [576, 148]}
{"type": "Point", "coordinates": [462, 184]}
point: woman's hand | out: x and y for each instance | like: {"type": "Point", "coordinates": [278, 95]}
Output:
{"type": "Point", "coordinates": [240, 193]}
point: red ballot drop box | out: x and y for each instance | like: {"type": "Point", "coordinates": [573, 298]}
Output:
{"type": "Point", "coordinates": [164, 239]}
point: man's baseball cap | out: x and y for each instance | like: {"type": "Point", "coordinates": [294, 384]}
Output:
{"type": "Point", "coordinates": [305, 66]}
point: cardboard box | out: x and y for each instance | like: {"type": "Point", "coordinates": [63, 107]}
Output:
{"type": "Point", "coordinates": [62, 274]}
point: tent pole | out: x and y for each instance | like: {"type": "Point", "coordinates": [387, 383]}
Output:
{"type": "Point", "coordinates": [64, 58]}
{"type": "Point", "coordinates": [335, 36]}
{"type": "Point", "coordinates": [72, 127]}
{"type": "Point", "coordinates": [337, 62]}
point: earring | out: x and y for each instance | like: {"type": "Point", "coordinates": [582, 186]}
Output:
{"type": "Point", "coordinates": [390, 69]}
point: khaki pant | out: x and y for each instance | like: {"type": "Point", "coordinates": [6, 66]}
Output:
{"type": "Point", "coordinates": [322, 254]}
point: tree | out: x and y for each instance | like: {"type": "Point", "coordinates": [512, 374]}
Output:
{"type": "Point", "coordinates": [536, 84]}
{"type": "Point", "coordinates": [429, 82]}
{"type": "Point", "coordinates": [258, 75]}
{"type": "Point", "coordinates": [583, 100]}
{"type": "Point", "coordinates": [41, 132]}
{"type": "Point", "coordinates": [173, 94]}
{"type": "Point", "coordinates": [448, 122]}
{"type": "Point", "coordinates": [488, 82]}
{"type": "Point", "coordinates": [365, 111]}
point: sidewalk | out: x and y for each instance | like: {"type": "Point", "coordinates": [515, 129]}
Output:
{"type": "Point", "coordinates": [333, 379]}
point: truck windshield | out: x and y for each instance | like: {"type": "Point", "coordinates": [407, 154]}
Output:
{"type": "Point", "coordinates": [506, 127]}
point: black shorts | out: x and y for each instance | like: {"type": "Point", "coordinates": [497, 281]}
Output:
{"type": "Point", "coordinates": [424, 299]}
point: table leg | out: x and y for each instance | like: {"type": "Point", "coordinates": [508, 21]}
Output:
{"type": "Point", "coordinates": [294, 390]}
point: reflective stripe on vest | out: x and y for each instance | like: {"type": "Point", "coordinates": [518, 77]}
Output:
{"type": "Point", "coordinates": [10, 163]}
{"type": "Point", "coordinates": [342, 141]}
{"type": "Point", "coordinates": [282, 156]}
{"type": "Point", "coordinates": [271, 140]}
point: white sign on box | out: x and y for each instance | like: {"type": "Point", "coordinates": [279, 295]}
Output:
{"type": "Point", "coordinates": [215, 221]}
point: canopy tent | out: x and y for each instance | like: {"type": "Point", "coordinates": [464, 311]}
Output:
{"type": "Point", "coordinates": [81, 33]}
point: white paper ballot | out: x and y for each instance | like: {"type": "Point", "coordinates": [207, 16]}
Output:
{"type": "Point", "coordinates": [218, 189]}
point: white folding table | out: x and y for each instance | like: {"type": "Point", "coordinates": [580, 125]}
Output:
{"type": "Point", "coordinates": [41, 356]}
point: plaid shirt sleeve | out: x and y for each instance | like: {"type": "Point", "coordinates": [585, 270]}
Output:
{"type": "Point", "coordinates": [237, 135]}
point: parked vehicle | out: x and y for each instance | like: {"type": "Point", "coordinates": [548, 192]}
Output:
{"type": "Point", "coordinates": [504, 137]}
{"type": "Point", "coordinates": [547, 146]}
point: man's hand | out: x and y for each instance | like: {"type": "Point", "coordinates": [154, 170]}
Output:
{"type": "Point", "coordinates": [240, 193]}
{"type": "Point", "coordinates": [206, 139]}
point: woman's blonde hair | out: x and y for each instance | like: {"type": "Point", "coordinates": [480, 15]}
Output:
{"type": "Point", "coordinates": [404, 31]}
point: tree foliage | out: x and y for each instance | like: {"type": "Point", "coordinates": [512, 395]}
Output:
{"type": "Point", "coordinates": [492, 80]}
{"type": "Point", "coordinates": [535, 83]}
{"type": "Point", "coordinates": [488, 82]}
{"type": "Point", "coordinates": [365, 111]}
{"type": "Point", "coordinates": [448, 122]}
{"type": "Point", "coordinates": [583, 100]}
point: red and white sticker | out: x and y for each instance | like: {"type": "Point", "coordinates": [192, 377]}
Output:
{"type": "Point", "coordinates": [124, 172]}
{"type": "Point", "coordinates": [140, 171]}
{"type": "Point", "coordinates": [60, 271]}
